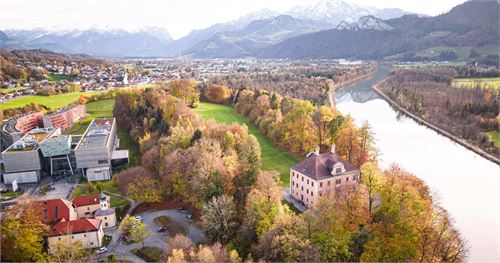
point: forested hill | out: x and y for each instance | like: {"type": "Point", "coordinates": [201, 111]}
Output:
{"type": "Point", "coordinates": [472, 25]}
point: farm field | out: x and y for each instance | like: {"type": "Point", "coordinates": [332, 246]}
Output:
{"type": "Point", "coordinates": [273, 158]}
{"type": "Point", "coordinates": [53, 102]}
{"type": "Point", "coordinates": [492, 83]}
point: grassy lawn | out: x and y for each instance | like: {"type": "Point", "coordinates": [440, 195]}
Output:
{"type": "Point", "coordinates": [148, 254]}
{"type": "Point", "coordinates": [57, 77]}
{"type": "Point", "coordinates": [10, 195]}
{"type": "Point", "coordinates": [273, 158]}
{"type": "Point", "coordinates": [495, 137]}
{"type": "Point", "coordinates": [53, 102]}
{"type": "Point", "coordinates": [172, 228]}
{"type": "Point", "coordinates": [493, 83]}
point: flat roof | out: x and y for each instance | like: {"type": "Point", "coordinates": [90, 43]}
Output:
{"type": "Point", "coordinates": [32, 140]}
{"type": "Point", "coordinates": [56, 145]}
{"type": "Point", "coordinates": [97, 134]}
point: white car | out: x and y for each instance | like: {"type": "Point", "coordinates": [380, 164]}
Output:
{"type": "Point", "coordinates": [102, 250]}
{"type": "Point", "coordinates": [139, 218]}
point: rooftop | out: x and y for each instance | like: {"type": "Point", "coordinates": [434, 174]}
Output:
{"type": "Point", "coordinates": [32, 140]}
{"type": "Point", "coordinates": [85, 200]}
{"type": "Point", "coordinates": [75, 226]}
{"type": "Point", "coordinates": [319, 166]}
{"type": "Point", "coordinates": [97, 133]}
{"type": "Point", "coordinates": [56, 145]}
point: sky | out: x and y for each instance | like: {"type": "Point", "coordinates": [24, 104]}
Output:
{"type": "Point", "coordinates": [179, 17]}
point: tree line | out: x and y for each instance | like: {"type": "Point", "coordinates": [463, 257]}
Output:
{"type": "Point", "coordinates": [468, 113]}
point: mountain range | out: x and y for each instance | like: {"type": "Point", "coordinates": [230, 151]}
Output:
{"type": "Point", "coordinates": [242, 37]}
{"type": "Point", "coordinates": [326, 29]}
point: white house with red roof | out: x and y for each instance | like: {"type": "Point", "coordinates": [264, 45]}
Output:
{"type": "Point", "coordinates": [82, 219]}
{"type": "Point", "coordinates": [320, 172]}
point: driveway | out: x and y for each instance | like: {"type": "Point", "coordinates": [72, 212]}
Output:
{"type": "Point", "coordinates": [159, 240]}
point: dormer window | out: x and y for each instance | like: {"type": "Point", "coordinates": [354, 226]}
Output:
{"type": "Point", "coordinates": [338, 168]}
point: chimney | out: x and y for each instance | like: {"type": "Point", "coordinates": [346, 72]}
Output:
{"type": "Point", "coordinates": [317, 150]}
{"type": "Point", "coordinates": [333, 148]}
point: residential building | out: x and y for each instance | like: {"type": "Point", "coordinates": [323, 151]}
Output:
{"type": "Point", "coordinates": [23, 160]}
{"type": "Point", "coordinates": [15, 128]}
{"type": "Point", "coordinates": [95, 206]}
{"type": "Point", "coordinates": [89, 231]}
{"type": "Point", "coordinates": [320, 172]}
{"type": "Point", "coordinates": [98, 150]}
{"type": "Point", "coordinates": [64, 118]}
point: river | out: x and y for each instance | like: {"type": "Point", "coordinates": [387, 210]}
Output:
{"type": "Point", "coordinates": [467, 185]}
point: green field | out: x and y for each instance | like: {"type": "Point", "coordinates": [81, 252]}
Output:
{"type": "Point", "coordinates": [57, 77]}
{"type": "Point", "coordinates": [492, 83]}
{"type": "Point", "coordinates": [53, 102]}
{"type": "Point", "coordinates": [495, 137]}
{"type": "Point", "coordinates": [273, 158]}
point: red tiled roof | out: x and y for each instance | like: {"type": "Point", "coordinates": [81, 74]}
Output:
{"type": "Point", "coordinates": [86, 200]}
{"type": "Point", "coordinates": [75, 226]}
{"type": "Point", "coordinates": [320, 166]}
{"type": "Point", "coordinates": [57, 209]}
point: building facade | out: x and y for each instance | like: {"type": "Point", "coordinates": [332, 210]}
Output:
{"type": "Point", "coordinates": [319, 173]}
{"type": "Point", "coordinates": [88, 231]}
{"type": "Point", "coordinates": [15, 128]}
{"type": "Point", "coordinates": [98, 148]}
{"type": "Point", "coordinates": [64, 118]}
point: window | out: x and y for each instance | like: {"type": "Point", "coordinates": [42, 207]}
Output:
{"type": "Point", "coordinates": [91, 243]}
{"type": "Point", "coordinates": [338, 170]}
{"type": "Point", "coordinates": [320, 194]}
{"type": "Point", "coordinates": [106, 224]}
{"type": "Point", "coordinates": [105, 217]}
{"type": "Point", "coordinates": [84, 235]}
{"type": "Point", "coordinates": [328, 183]}
{"type": "Point", "coordinates": [72, 237]}
{"type": "Point", "coordinates": [338, 181]}
{"type": "Point", "coordinates": [302, 188]}
{"type": "Point", "coordinates": [307, 191]}
{"type": "Point", "coordinates": [347, 179]}
{"type": "Point", "coordinates": [88, 208]}
{"type": "Point", "coordinates": [320, 184]}
{"type": "Point", "coordinates": [307, 181]}
{"type": "Point", "coordinates": [312, 193]}
{"type": "Point", "coordinates": [312, 183]}
{"type": "Point", "coordinates": [59, 238]}
{"type": "Point", "coordinates": [102, 161]}
{"type": "Point", "coordinates": [302, 178]}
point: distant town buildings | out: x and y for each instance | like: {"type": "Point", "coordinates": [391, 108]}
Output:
{"type": "Point", "coordinates": [322, 171]}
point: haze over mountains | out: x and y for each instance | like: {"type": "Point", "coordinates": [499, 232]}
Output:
{"type": "Point", "coordinates": [327, 29]}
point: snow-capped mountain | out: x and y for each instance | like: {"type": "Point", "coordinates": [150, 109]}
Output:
{"type": "Point", "coordinates": [97, 41]}
{"type": "Point", "coordinates": [336, 11]}
{"type": "Point", "coordinates": [365, 22]}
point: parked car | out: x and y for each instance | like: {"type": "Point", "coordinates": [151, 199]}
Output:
{"type": "Point", "coordinates": [188, 216]}
{"type": "Point", "coordinates": [161, 229]}
{"type": "Point", "coordinates": [102, 250]}
{"type": "Point", "coordinates": [138, 218]}
{"type": "Point", "coordinates": [181, 208]}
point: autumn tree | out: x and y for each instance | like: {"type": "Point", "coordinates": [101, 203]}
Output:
{"type": "Point", "coordinates": [22, 235]}
{"type": "Point", "coordinates": [371, 178]}
{"type": "Point", "coordinates": [217, 93]}
{"type": "Point", "coordinates": [67, 251]}
{"type": "Point", "coordinates": [184, 89]}
{"type": "Point", "coordinates": [218, 219]}
{"type": "Point", "coordinates": [144, 189]}
{"type": "Point", "coordinates": [322, 116]}
{"type": "Point", "coordinates": [133, 229]}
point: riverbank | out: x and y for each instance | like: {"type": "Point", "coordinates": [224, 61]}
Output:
{"type": "Point", "coordinates": [421, 121]}
{"type": "Point", "coordinates": [359, 78]}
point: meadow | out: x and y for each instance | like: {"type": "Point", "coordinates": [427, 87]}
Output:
{"type": "Point", "coordinates": [273, 158]}
{"type": "Point", "coordinates": [491, 83]}
{"type": "Point", "coordinates": [53, 102]}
